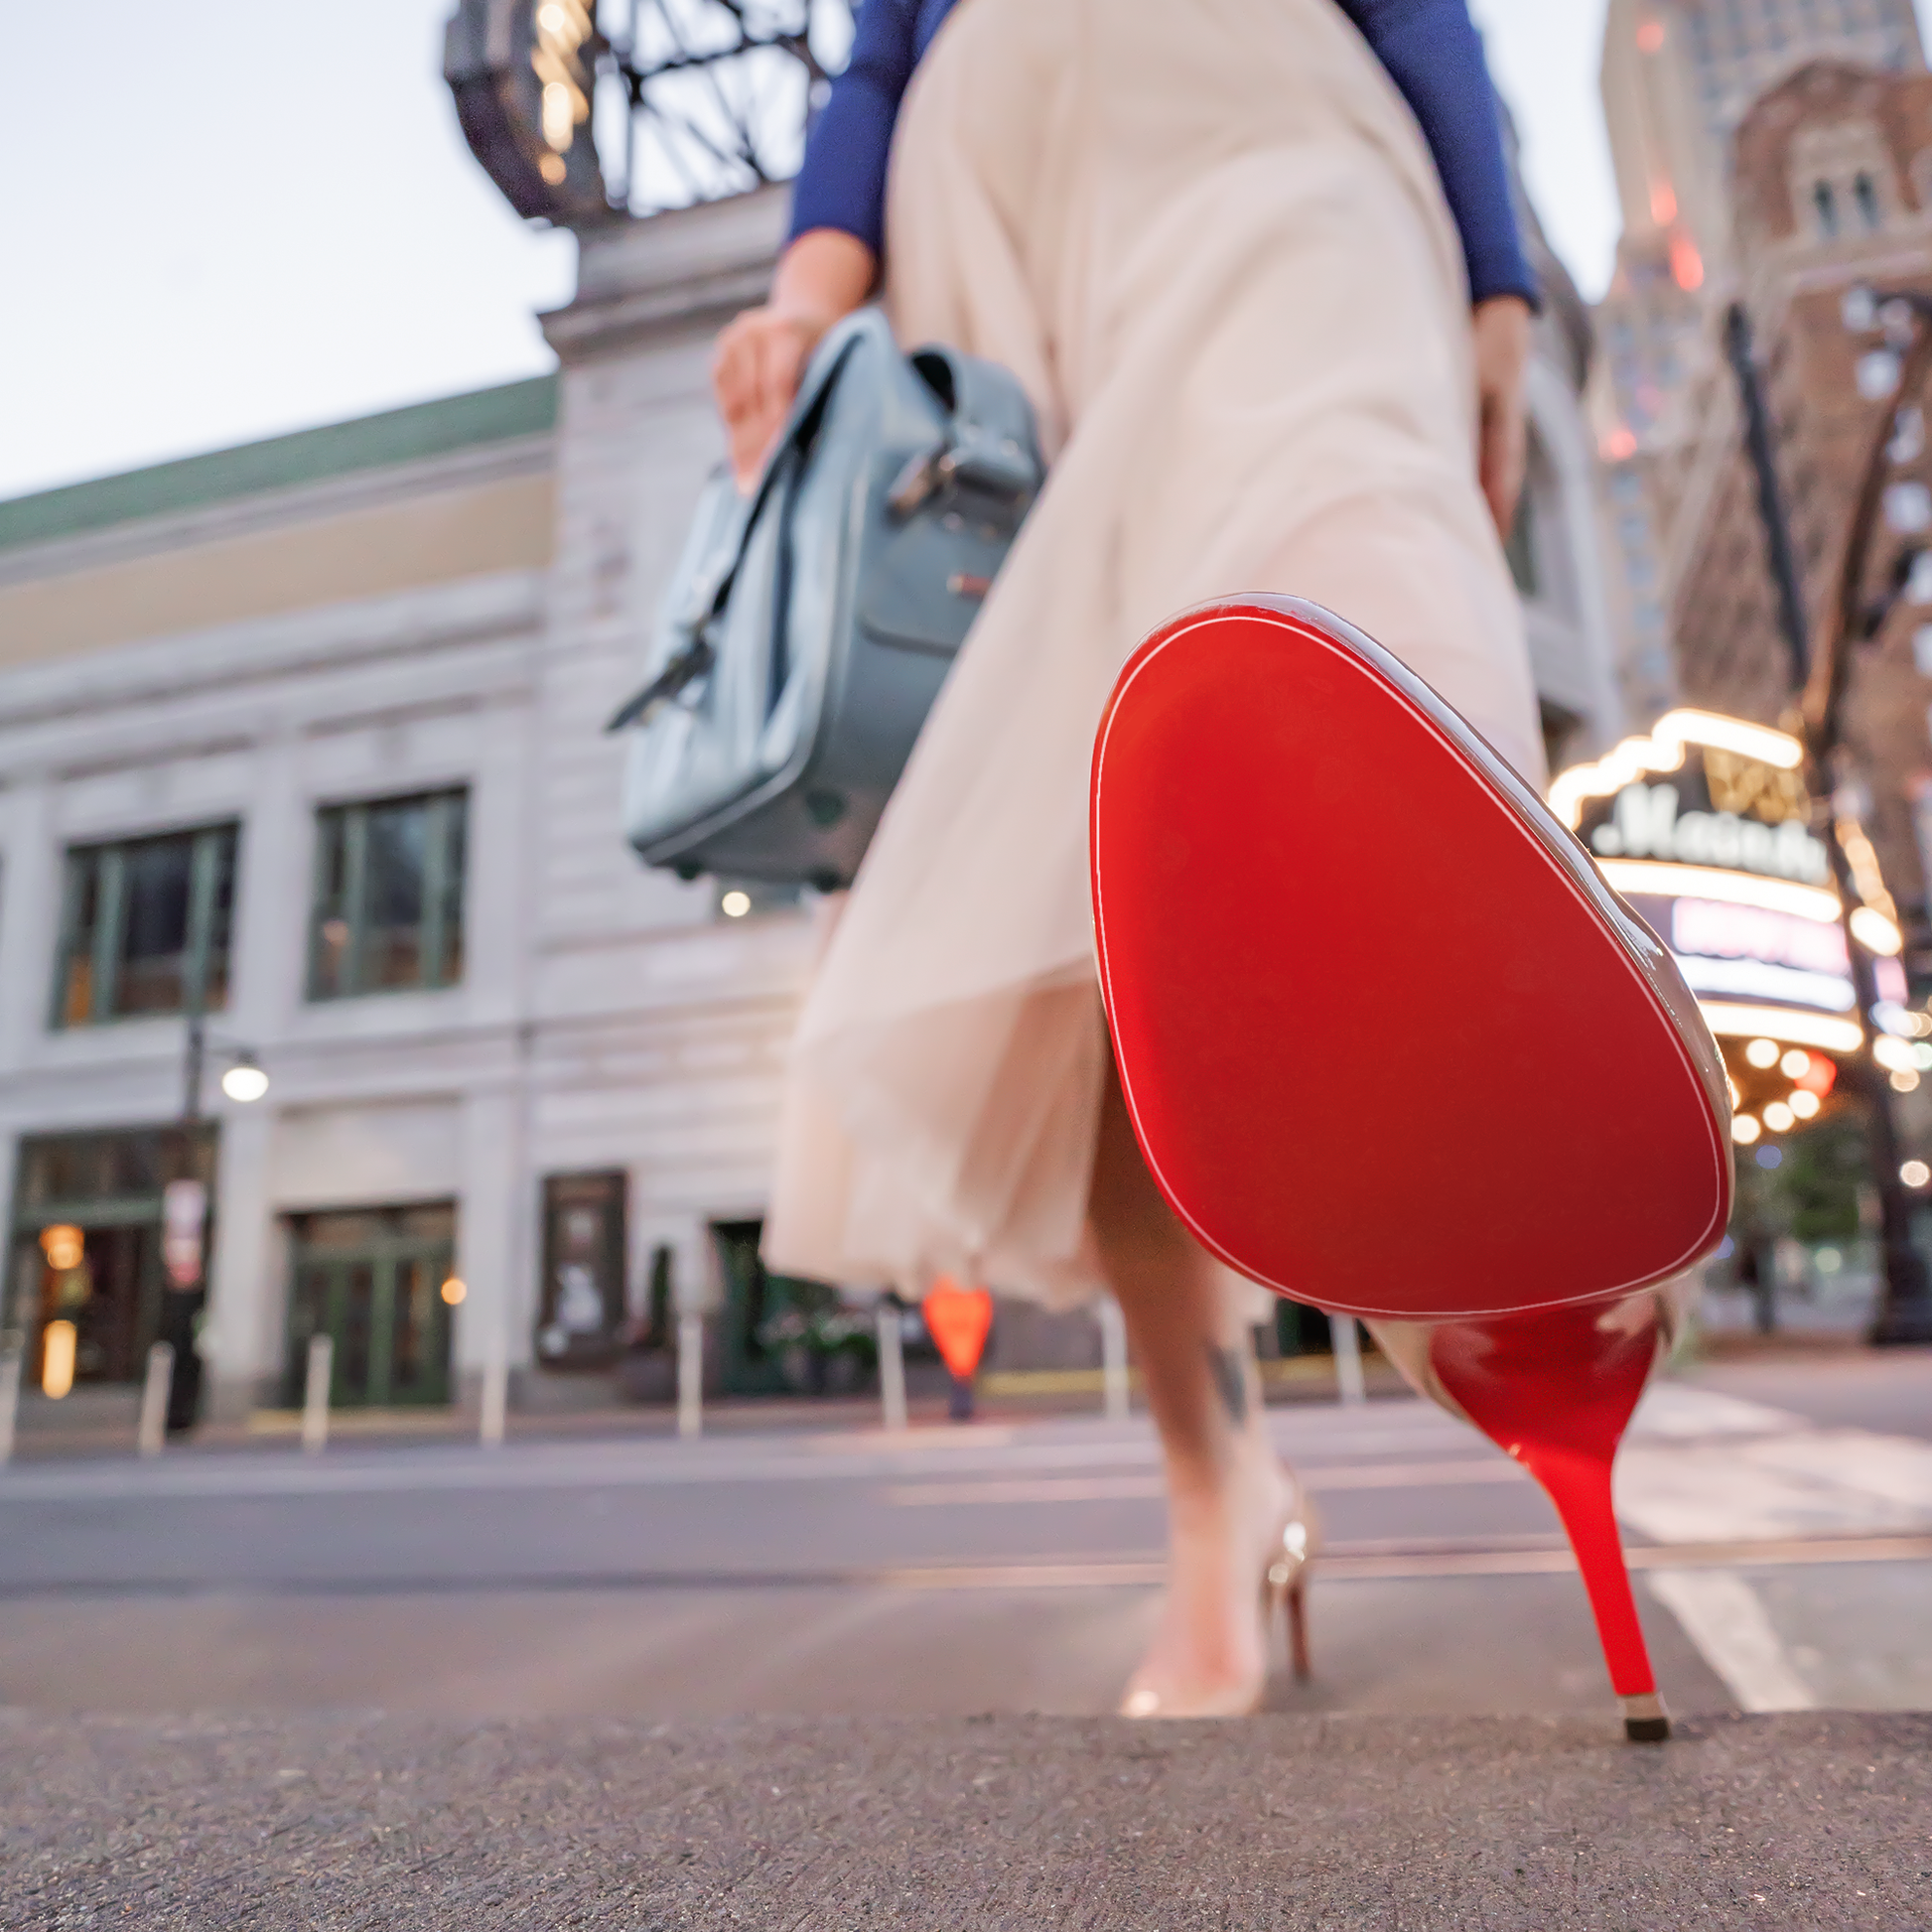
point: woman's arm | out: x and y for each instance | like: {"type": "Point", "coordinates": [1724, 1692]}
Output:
{"type": "Point", "coordinates": [760, 357]}
{"type": "Point", "coordinates": [1434, 54]}
{"type": "Point", "coordinates": [842, 180]}
{"type": "Point", "coordinates": [831, 259]}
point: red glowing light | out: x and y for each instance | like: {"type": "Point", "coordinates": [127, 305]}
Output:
{"type": "Point", "coordinates": [1686, 264]}
{"type": "Point", "coordinates": [957, 1319]}
{"type": "Point", "coordinates": [1650, 37]}
{"type": "Point", "coordinates": [1819, 1077]}
{"type": "Point", "coordinates": [1619, 445]}
{"type": "Point", "coordinates": [1663, 203]}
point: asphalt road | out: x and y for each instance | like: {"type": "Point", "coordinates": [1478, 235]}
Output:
{"type": "Point", "coordinates": [1813, 1821]}
{"type": "Point", "coordinates": [1784, 1561]}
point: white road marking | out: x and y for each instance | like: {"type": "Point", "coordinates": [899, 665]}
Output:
{"type": "Point", "coordinates": [1714, 1493]}
{"type": "Point", "coordinates": [1725, 1618]}
{"type": "Point", "coordinates": [1674, 1411]}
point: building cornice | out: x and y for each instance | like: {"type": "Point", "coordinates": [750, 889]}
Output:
{"type": "Point", "coordinates": [256, 651]}
{"type": "Point", "coordinates": [671, 273]}
{"type": "Point", "coordinates": [276, 510]}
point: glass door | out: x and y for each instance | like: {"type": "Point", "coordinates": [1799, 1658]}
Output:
{"type": "Point", "coordinates": [378, 1283]}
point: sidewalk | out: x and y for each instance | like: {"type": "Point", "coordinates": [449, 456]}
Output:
{"type": "Point", "coordinates": [1811, 1821]}
{"type": "Point", "coordinates": [1024, 1395]}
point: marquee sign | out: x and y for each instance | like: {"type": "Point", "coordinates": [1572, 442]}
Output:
{"type": "Point", "coordinates": [1705, 828]}
{"type": "Point", "coordinates": [522, 72]}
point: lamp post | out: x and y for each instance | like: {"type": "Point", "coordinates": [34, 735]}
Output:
{"type": "Point", "coordinates": [1820, 682]}
{"type": "Point", "coordinates": [184, 1201]}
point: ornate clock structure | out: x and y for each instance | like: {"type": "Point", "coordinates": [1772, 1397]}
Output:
{"type": "Point", "coordinates": [581, 112]}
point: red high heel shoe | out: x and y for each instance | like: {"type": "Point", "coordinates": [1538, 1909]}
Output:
{"type": "Point", "coordinates": [1304, 864]}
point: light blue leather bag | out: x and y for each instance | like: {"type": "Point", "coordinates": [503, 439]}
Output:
{"type": "Point", "coordinates": [809, 626]}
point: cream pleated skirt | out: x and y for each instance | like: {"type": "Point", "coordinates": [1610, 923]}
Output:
{"type": "Point", "coordinates": [1208, 237]}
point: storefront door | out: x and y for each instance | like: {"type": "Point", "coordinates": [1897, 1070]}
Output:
{"type": "Point", "coordinates": [378, 1283]}
{"type": "Point", "coordinates": [107, 1189]}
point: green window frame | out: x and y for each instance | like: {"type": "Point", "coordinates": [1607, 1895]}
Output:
{"type": "Point", "coordinates": [145, 926]}
{"type": "Point", "coordinates": [386, 909]}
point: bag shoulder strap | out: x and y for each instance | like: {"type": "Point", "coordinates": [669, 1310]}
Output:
{"type": "Point", "coordinates": [711, 590]}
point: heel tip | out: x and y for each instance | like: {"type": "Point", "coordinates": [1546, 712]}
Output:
{"type": "Point", "coordinates": [1646, 1731]}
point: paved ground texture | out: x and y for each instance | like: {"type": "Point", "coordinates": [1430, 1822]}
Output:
{"type": "Point", "coordinates": [1801, 1819]}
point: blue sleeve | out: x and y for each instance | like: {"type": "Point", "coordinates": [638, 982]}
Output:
{"type": "Point", "coordinates": [1434, 54]}
{"type": "Point", "coordinates": [841, 182]}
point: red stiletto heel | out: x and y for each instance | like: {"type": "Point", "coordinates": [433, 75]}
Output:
{"type": "Point", "coordinates": [1294, 840]}
{"type": "Point", "coordinates": [1556, 1390]}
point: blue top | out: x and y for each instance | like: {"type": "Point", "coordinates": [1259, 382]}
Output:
{"type": "Point", "coordinates": [1430, 46]}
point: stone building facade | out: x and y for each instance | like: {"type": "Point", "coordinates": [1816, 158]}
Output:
{"type": "Point", "coordinates": [522, 1095]}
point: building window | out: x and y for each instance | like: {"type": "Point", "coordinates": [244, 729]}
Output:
{"type": "Point", "coordinates": [388, 895]}
{"type": "Point", "coordinates": [1868, 199]}
{"type": "Point", "coordinates": [1826, 203]}
{"type": "Point", "coordinates": [145, 927]}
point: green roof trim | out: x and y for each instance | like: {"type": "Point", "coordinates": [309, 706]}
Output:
{"type": "Point", "coordinates": [407, 435]}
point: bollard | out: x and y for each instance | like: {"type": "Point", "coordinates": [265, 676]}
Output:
{"type": "Point", "coordinates": [690, 1374]}
{"type": "Point", "coordinates": [315, 1393]}
{"type": "Point", "coordinates": [1349, 1386]}
{"type": "Point", "coordinates": [1115, 1400]}
{"type": "Point", "coordinates": [494, 1417]}
{"type": "Point", "coordinates": [152, 1436]}
{"type": "Point", "coordinates": [892, 1364]}
{"type": "Point", "coordinates": [12, 1354]}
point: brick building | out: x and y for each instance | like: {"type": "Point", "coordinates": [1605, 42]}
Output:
{"type": "Point", "coordinates": [1833, 186]}
{"type": "Point", "coordinates": [1678, 78]}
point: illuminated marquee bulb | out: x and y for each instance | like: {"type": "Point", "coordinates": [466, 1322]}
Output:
{"type": "Point", "coordinates": [1803, 1102]}
{"type": "Point", "coordinates": [58, 1344]}
{"type": "Point", "coordinates": [1796, 1063]}
{"type": "Point", "coordinates": [1915, 1174]}
{"type": "Point", "coordinates": [1779, 1117]}
{"type": "Point", "coordinates": [1745, 1129]}
{"type": "Point", "coordinates": [63, 1245]}
{"type": "Point", "coordinates": [1762, 1052]}
{"type": "Point", "coordinates": [559, 117]}
{"type": "Point", "coordinates": [562, 27]}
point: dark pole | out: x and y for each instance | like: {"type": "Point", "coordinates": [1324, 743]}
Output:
{"type": "Point", "coordinates": [1905, 1312]}
{"type": "Point", "coordinates": [191, 1098]}
{"type": "Point", "coordinates": [1770, 494]}
{"type": "Point", "coordinates": [181, 1305]}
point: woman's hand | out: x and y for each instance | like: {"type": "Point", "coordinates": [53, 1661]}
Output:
{"type": "Point", "coordinates": [760, 357]}
{"type": "Point", "coordinates": [1502, 341]}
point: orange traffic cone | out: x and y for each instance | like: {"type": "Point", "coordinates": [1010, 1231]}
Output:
{"type": "Point", "coordinates": [957, 1318]}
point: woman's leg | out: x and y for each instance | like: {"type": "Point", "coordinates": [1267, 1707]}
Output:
{"type": "Point", "coordinates": [1227, 1492]}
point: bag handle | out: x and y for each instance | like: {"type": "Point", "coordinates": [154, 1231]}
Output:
{"type": "Point", "coordinates": [709, 596]}
{"type": "Point", "coordinates": [691, 663]}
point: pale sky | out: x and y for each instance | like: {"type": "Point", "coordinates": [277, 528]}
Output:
{"type": "Point", "coordinates": [269, 220]}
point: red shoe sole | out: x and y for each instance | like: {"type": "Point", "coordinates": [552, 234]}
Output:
{"type": "Point", "coordinates": [1389, 1042]}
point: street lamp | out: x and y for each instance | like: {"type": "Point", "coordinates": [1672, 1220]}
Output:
{"type": "Point", "coordinates": [245, 1080]}
{"type": "Point", "coordinates": [1905, 1312]}
{"type": "Point", "coordinates": [185, 1199]}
